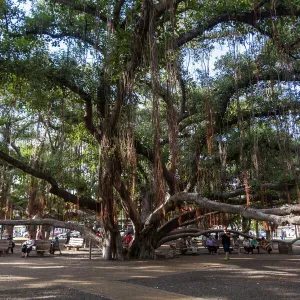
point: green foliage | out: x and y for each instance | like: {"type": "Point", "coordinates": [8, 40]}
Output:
{"type": "Point", "coordinates": [56, 60]}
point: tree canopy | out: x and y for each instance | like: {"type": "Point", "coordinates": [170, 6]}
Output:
{"type": "Point", "coordinates": [114, 107]}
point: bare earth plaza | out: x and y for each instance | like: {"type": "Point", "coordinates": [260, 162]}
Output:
{"type": "Point", "coordinates": [73, 276]}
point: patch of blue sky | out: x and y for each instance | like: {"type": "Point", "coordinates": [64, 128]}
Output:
{"type": "Point", "coordinates": [202, 64]}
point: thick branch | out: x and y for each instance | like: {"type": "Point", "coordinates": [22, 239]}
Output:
{"type": "Point", "coordinates": [249, 213]}
{"type": "Point", "coordinates": [147, 153]}
{"type": "Point", "coordinates": [241, 191]}
{"type": "Point", "coordinates": [55, 190]}
{"type": "Point", "coordinates": [194, 232]}
{"type": "Point", "coordinates": [88, 118]}
{"type": "Point", "coordinates": [88, 233]}
{"type": "Point", "coordinates": [84, 8]}
{"type": "Point", "coordinates": [174, 223]}
{"type": "Point", "coordinates": [162, 7]}
{"type": "Point", "coordinates": [117, 11]}
{"type": "Point", "coordinates": [246, 18]}
{"type": "Point", "coordinates": [79, 35]}
{"type": "Point", "coordinates": [128, 205]}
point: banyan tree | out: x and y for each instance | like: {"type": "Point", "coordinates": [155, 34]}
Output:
{"type": "Point", "coordinates": [115, 107]}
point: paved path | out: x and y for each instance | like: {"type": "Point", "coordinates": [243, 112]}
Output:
{"type": "Point", "coordinates": [73, 276]}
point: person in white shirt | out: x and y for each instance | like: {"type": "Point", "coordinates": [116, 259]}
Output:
{"type": "Point", "coordinates": [247, 246]}
{"type": "Point", "coordinates": [27, 246]}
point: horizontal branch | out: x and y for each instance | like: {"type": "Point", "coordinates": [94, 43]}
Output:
{"type": "Point", "coordinates": [241, 191]}
{"type": "Point", "coordinates": [83, 8]}
{"type": "Point", "coordinates": [55, 189]}
{"type": "Point", "coordinates": [87, 232]}
{"type": "Point", "coordinates": [247, 212]}
{"type": "Point", "coordinates": [229, 16]}
{"type": "Point", "coordinates": [195, 232]}
{"type": "Point", "coordinates": [79, 36]}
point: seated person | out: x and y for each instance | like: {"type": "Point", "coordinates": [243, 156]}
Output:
{"type": "Point", "coordinates": [254, 244]}
{"type": "Point", "coordinates": [12, 243]}
{"type": "Point", "coordinates": [54, 246]}
{"type": "Point", "coordinates": [27, 246]}
{"type": "Point", "coordinates": [266, 245]}
{"type": "Point", "coordinates": [211, 245]}
{"type": "Point", "coordinates": [247, 246]}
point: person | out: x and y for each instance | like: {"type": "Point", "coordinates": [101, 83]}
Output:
{"type": "Point", "coordinates": [254, 244]}
{"type": "Point", "coordinates": [54, 246]}
{"type": "Point", "coordinates": [68, 235]}
{"type": "Point", "coordinates": [128, 239]}
{"type": "Point", "coordinates": [5, 234]}
{"type": "Point", "coordinates": [27, 246]}
{"type": "Point", "coordinates": [266, 245]}
{"type": "Point", "coordinates": [211, 245]}
{"type": "Point", "coordinates": [129, 230]}
{"type": "Point", "coordinates": [226, 242]}
{"type": "Point", "coordinates": [39, 235]}
{"type": "Point", "coordinates": [247, 246]}
{"type": "Point", "coordinates": [9, 238]}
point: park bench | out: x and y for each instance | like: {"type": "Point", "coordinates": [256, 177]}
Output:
{"type": "Point", "coordinates": [41, 246]}
{"type": "Point", "coordinates": [182, 246]}
{"type": "Point", "coordinates": [284, 247]}
{"type": "Point", "coordinates": [5, 246]}
{"type": "Point", "coordinates": [75, 243]}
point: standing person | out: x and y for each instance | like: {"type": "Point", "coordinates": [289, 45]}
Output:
{"type": "Point", "coordinates": [68, 236]}
{"type": "Point", "coordinates": [226, 243]}
{"type": "Point", "coordinates": [39, 235]}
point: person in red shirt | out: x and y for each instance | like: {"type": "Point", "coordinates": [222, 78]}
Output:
{"type": "Point", "coordinates": [128, 239]}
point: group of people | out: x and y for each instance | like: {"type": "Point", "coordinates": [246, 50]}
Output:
{"type": "Point", "coordinates": [28, 245]}
{"type": "Point", "coordinates": [248, 244]}
{"type": "Point", "coordinates": [253, 243]}
{"type": "Point", "coordinates": [211, 243]}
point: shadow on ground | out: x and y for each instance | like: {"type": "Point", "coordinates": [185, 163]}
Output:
{"type": "Point", "coordinates": [55, 292]}
{"type": "Point", "coordinates": [235, 280]}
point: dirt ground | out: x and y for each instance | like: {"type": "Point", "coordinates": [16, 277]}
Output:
{"type": "Point", "coordinates": [73, 276]}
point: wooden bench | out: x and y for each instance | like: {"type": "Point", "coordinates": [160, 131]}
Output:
{"type": "Point", "coordinates": [284, 247]}
{"type": "Point", "coordinates": [41, 246]}
{"type": "Point", "coordinates": [183, 247]}
{"type": "Point", "coordinates": [5, 246]}
{"type": "Point", "coordinates": [75, 243]}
